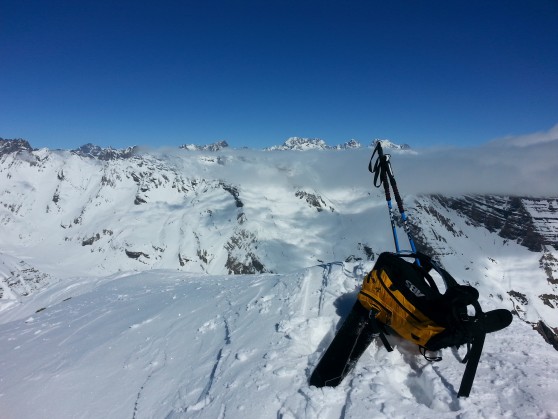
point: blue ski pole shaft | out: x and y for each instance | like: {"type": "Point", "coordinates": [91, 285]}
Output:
{"type": "Point", "coordinates": [384, 180]}
{"type": "Point", "coordinates": [382, 171]}
{"type": "Point", "coordinates": [402, 212]}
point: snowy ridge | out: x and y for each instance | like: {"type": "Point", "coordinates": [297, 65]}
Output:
{"type": "Point", "coordinates": [123, 347]}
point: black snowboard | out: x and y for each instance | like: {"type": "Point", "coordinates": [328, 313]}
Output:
{"type": "Point", "coordinates": [495, 320]}
{"type": "Point", "coordinates": [347, 346]}
{"type": "Point", "coordinates": [358, 331]}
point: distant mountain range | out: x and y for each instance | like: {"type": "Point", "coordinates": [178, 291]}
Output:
{"type": "Point", "coordinates": [109, 153]}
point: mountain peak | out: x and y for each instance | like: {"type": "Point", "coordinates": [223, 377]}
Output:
{"type": "Point", "coordinates": [304, 144]}
{"type": "Point", "coordinates": [300, 144]}
{"type": "Point", "coordinates": [15, 145]}
{"type": "Point", "coordinates": [96, 152]}
{"type": "Point", "coordinates": [349, 145]}
{"type": "Point", "coordinates": [391, 145]}
{"type": "Point", "coordinates": [216, 146]}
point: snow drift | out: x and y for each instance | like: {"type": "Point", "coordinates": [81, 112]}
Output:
{"type": "Point", "coordinates": [176, 345]}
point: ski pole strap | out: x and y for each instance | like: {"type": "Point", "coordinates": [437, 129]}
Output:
{"type": "Point", "coordinates": [396, 192]}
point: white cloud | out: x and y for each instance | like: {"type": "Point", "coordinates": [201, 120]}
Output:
{"type": "Point", "coordinates": [529, 139]}
{"type": "Point", "coordinates": [495, 168]}
{"type": "Point", "coordinates": [530, 170]}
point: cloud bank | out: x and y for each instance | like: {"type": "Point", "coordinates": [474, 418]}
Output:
{"type": "Point", "coordinates": [524, 166]}
{"type": "Point", "coordinates": [528, 139]}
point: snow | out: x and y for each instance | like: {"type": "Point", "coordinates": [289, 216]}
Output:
{"type": "Point", "coordinates": [88, 332]}
{"type": "Point", "coordinates": [174, 345]}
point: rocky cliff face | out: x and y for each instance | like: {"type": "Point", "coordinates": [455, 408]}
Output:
{"type": "Point", "coordinates": [531, 222]}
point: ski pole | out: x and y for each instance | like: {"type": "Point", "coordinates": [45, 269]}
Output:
{"type": "Point", "coordinates": [400, 207]}
{"type": "Point", "coordinates": [382, 172]}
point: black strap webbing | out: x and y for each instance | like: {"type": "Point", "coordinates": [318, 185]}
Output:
{"type": "Point", "coordinates": [471, 368]}
{"type": "Point", "coordinates": [377, 330]}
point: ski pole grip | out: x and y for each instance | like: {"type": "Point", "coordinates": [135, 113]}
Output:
{"type": "Point", "coordinates": [386, 186]}
{"type": "Point", "coordinates": [397, 196]}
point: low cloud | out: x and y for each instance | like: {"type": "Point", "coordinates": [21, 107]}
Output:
{"type": "Point", "coordinates": [524, 166]}
{"type": "Point", "coordinates": [529, 170]}
{"type": "Point", "coordinates": [528, 139]}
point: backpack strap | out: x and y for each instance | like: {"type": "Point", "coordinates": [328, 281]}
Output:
{"type": "Point", "coordinates": [377, 330]}
{"type": "Point", "coordinates": [471, 367]}
{"type": "Point", "coordinates": [473, 355]}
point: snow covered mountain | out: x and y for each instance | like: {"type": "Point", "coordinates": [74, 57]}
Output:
{"type": "Point", "coordinates": [305, 144]}
{"type": "Point", "coordinates": [217, 146]}
{"type": "Point", "coordinates": [122, 247]}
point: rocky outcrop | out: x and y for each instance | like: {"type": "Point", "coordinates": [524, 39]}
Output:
{"type": "Point", "coordinates": [241, 258]}
{"type": "Point", "coordinates": [17, 145]}
{"type": "Point", "coordinates": [19, 279]}
{"type": "Point", "coordinates": [233, 190]}
{"type": "Point", "coordinates": [550, 335]}
{"type": "Point", "coordinates": [217, 146]}
{"type": "Point", "coordinates": [95, 152]}
{"type": "Point", "coordinates": [314, 200]}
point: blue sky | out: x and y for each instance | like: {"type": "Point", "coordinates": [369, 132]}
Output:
{"type": "Point", "coordinates": [253, 73]}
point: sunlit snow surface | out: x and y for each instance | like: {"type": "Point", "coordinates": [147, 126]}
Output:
{"type": "Point", "coordinates": [164, 344]}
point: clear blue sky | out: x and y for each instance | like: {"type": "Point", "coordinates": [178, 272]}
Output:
{"type": "Point", "coordinates": [254, 73]}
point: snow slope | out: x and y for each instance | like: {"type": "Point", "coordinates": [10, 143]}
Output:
{"type": "Point", "coordinates": [167, 344]}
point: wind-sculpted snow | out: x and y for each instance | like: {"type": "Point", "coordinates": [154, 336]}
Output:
{"type": "Point", "coordinates": [167, 344]}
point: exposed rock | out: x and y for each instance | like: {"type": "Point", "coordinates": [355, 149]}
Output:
{"type": "Point", "coordinates": [91, 240]}
{"type": "Point", "coordinates": [8, 146]}
{"type": "Point", "coordinates": [506, 216]}
{"type": "Point", "coordinates": [349, 145]}
{"type": "Point", "coordinates": [240, 258]}
{"type": "Point", "coordinates": [521, 298]}
{"type": "Point", "coordinates": [313, 200]}
{"type": "Point", "coordinates": [233, 190]}
{"type": "Point", "coordinates": [22, 280]}
{"type": "Point", "coordinates": [548, 299]}
{"type": "Point", "coordinates": [182, 260]}
{"type": "Point", "coordinates": [217, 146]}
{"type": "Point", "coordinates": [95, 152]}
{"type": "Point", "coordinates": [135, 255]}
{"type": "Point", "coordinates": [549, 264]}
{"type": "Point", "coordinates": [139, 200]}
{"type": "Point", "coordinates": [367, 251]}
{"type": "Point", "coordinates": [549, 334]}
{"type": "Point", "coordinates": [301, 144]}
